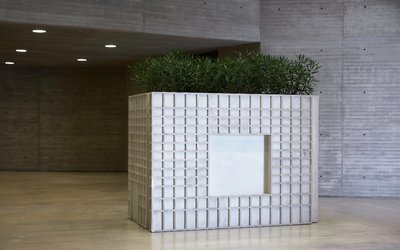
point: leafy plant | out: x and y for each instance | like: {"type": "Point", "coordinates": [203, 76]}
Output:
{"type": "Point", "coordinates": [248, 72]}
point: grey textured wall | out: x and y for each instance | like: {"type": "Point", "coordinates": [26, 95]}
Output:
{"type": "Point", "coordinates": [358, 44]}
{"type": "Point", "coordinates": [63, 119]}
{"type": "Point", "coordinates": [356, 41]}
{"type": "Point", "coordinates": [222, 19]}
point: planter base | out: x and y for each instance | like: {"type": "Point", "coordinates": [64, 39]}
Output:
{"type": "Point", "coordinates": [177, 162]}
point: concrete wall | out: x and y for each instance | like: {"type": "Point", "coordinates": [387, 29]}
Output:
{"type": "Point", "coordinates": [222, 19]}
{"type": "Point", "coordinates": [356, 41]}
{"type": "Point", "coordinates": [358, 44]}
{"type": "Point", "coordinates": [63, 119]}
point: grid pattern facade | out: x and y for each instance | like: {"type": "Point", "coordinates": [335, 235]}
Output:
{"type": "Point", "coordinates": [181, 124]}
{"type": "Point", "coordinates": [139, 159]}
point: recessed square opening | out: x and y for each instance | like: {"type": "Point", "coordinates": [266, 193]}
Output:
{"type": "Point", "coordinates": [239, 164]}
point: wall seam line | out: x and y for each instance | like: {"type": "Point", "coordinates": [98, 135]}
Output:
{"type": "Point", "coordinates": [38, 121]}
{"type": "Point", "coordinates": [342, 100]}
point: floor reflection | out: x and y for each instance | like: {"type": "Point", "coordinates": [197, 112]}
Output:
{"type": "Point", "coordinates": [230, 238]}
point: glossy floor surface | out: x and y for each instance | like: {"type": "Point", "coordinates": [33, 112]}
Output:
{"type": "Point", "coordinates": [89, 211]}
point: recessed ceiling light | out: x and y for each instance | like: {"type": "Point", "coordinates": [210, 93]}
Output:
{"type": "Point", "coordinates": [81, 59]}
{"type": "Point", "coordinates": [9, 63]}
{"type": "Point", "coordinates": [39, 31]}
{"type": "Point", "coordinates": [21, 50]}
{"type": "Point", "coordinates": [110, 46]}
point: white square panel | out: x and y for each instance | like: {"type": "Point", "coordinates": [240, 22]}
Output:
{"type": "Point", "coordinates": [236, 164]}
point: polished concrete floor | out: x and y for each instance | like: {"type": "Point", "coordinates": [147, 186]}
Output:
{"type": "Point", "coordinates": [89, 211]}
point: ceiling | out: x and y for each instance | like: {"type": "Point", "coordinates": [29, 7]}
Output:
{"type": "Point", "coordinates": [62, 46]}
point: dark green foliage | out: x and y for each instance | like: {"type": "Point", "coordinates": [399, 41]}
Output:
{"type": "Point", "coordinates": [249, 72]}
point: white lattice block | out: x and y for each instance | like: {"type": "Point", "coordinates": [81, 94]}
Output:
{"type": "Point", "coordinates": [206, 161]}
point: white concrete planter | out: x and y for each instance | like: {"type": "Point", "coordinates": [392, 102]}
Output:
{"type": "Point", "coordinates": [206, 161]}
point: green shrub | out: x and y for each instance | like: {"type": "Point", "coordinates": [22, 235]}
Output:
{"type": "Point", "coordinates": [248, 72]}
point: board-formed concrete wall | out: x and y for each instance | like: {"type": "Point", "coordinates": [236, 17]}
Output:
{"type": "Point", "coordinates": [358, 44]}
{"type": "Point", "coordinates": [223, 19]}
{"type": "Point", "coordinates": [63, 119]}
{"type": "Point", "coordinates": [356, 41]}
